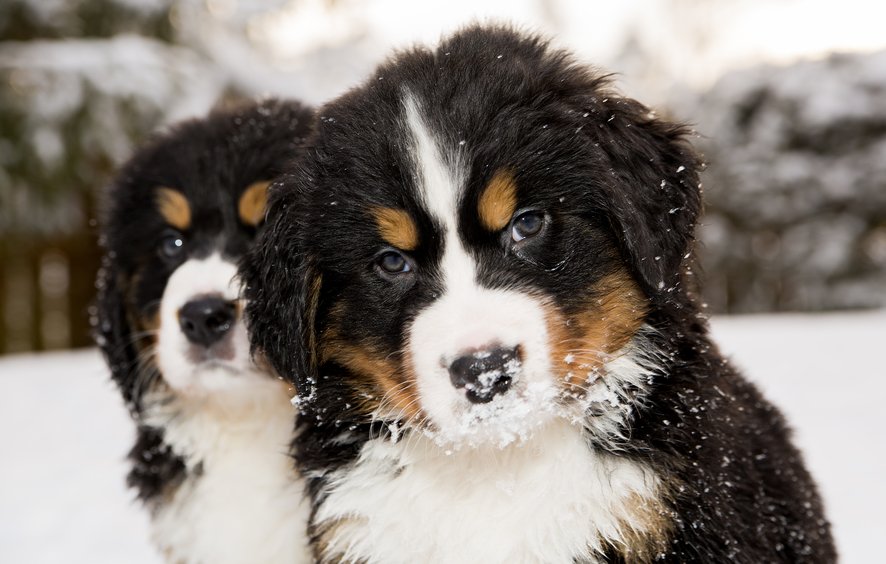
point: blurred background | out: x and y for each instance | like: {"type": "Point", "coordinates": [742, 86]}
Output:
{"type": "Point", "coordinates": [788, 97]}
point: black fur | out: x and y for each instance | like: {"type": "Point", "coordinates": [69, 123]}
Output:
{"type": "Point", "coordinates": [623, 190]}
{"type": "Point", "coordinates": [211, 161]}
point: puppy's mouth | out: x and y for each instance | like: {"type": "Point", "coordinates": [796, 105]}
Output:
{"type": "Point", "coordinates": [219, 354]}
{"type": "Point", "coordinates": [486, 417]}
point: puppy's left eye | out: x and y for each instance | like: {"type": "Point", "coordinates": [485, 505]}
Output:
{"type": "Point", "coordinates": [172, 245]}
{"type": "Point", "coordinates": [526, 225]}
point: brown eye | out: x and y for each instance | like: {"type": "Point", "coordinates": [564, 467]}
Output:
{"type": "Point", "coordinates": [527, 224]}
{"type": "Point", "coordinates": [392, 262]}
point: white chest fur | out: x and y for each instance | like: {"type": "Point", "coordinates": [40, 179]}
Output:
{"type": "Point", "coordinates": [548, 499]}
{"type": "Point", "coordinates": [243, 501]}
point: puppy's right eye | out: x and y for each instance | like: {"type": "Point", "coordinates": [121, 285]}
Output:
{"type": "Point", "coordinates": [392, 262]}
{"type": "Point", "coordinates": [172, 246]}
{"type": "Point", "coordinates": [526, 225]}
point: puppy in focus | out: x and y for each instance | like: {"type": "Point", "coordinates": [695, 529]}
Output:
{"type": "Point", "coordinates": [211, 457]}
{"type": "Point", "coordinates": [479, 278]}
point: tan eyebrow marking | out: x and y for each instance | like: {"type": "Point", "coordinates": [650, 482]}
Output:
{"type": "Point", "coordinates": [498, 201]}
{"type": "Point", "coordinates": [174, 207]}
{"type": "Point", "coordinates": [396, 227]}
{"type": "Point", "coordinates": [253, 202]}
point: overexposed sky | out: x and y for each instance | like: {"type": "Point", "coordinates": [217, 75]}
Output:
{"type": "Point", "coordinates": [654, 44]}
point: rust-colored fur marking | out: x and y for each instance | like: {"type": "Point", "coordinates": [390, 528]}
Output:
{"type": "Point", "coordinates": [253, 202]}
{"type": "Point", "coordinates": [325, 534]}
{"type": "Point", "coordinates": [581, 343]}
{"type": "Point", "coordinates": [311, 316]}
{"type": "Point", "coordinates": [397, 228]}
{"type": "Point", "coordinates": [174, 207]}
{"type": "Point", "coordinates": [383, 378]}
{"type": "Point", "coordinates": [498, 201]}
{"type": "Point", "coordinates": [646, 533]}
{"type": "Point", "coordinates": [146, 325]}
{"type": "Point", "coordinates": [383, 374]}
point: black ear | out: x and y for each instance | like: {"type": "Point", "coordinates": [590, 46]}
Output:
{"type": "Point", "coordinates": [282, 287]}
{"type": "Point", "coordinates": [113, 333]}
{"type": "Point", "coordinates": [653, 193]}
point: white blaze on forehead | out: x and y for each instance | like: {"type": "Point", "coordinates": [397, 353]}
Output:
{"type": "Point", "coordinates": [468, 316]}
{"type": "Point", "coordinates": [441, 182]}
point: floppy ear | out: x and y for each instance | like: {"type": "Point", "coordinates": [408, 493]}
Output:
{"type": "Point", "coordinates": [282, 288]}
{"type": "Point", "coordinates": [653, 197]}
{"type": "Point", "coordinates": [113, 334]}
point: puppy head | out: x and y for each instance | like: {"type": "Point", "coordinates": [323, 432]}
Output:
{"type": "Point", "coordinates": [473, 242]}
{"type": "Point", "coordinates": [181, 213]}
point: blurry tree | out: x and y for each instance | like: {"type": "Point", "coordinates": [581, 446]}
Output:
{"type": "Point", "coordinates": [25, 20]}
{"type": "Point", "coordinates": [72, 103]}
{"type": "Point", "coordinates": [796, 186]}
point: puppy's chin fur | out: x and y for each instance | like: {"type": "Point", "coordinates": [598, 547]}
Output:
{"type": "Point", "coordinates": [216, 382]}
{"type": "Point", "coordinates": [241, 500]}
{"type": "Point", "coordinates": [466, 505]}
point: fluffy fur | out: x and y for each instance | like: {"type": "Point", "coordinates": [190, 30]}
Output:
{"type": "Point", "coordinates": [210, 461]}
{"type": "Point", "coordinates": [484, 260]}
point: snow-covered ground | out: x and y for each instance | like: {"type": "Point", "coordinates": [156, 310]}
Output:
{"type": "Point", "coordinates": [64, 435]}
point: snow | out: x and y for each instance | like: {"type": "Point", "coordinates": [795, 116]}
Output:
{"type": "Point", "coordinates": [826, 373]}
{"type": "Point", "coordinates": [65, 434]}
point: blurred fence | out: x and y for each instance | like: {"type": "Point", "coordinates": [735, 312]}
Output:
{"type": "Point", "coordinates": [46, 288]}
{"type": "Point", "coordinates": [75, 97]}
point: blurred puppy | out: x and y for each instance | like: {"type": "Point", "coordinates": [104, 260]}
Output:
{"type": "Point", "coordinates": [210, 460]}
{"type": "Point", "coordinates": [493, 332]}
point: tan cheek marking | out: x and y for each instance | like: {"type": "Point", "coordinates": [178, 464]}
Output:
{"type": "Point", "coordinates": [396, 227]}
{"type": "Point", "coordinates": [252, 204]}
{"type": "Point", "coordinates": [382, 375]}
{"type": "Point", "coordinates": [311, 317]}
{"type": "Point", "coordinates": [174, 207]}
{"type": "Point", "coordinates": [498, 201]}
{"type": "Point", "coordinates": [582, 344]}
{"type": "Point", "coordinates": [386, 382]}
{"type": "Point", "coordinates": [152, 322]}
{"type": "Point", "coordinates": [145, 326]}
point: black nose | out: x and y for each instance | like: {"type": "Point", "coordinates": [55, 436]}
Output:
{"type": "Point", "coordinates": [485, 373]}
{"type": "Point", "coordinates": [206, 320]}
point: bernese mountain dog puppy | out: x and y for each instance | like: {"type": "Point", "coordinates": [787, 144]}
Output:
{"type": "Point", "coordinates": [479, 279]}
{"type": "Point", "coordinates": [213, 428]}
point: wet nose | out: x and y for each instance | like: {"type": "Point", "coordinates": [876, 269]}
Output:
{"type": "Point", "coordinates": [485, 373]}
{"type": "Point", "coordinates": [205, 321]}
